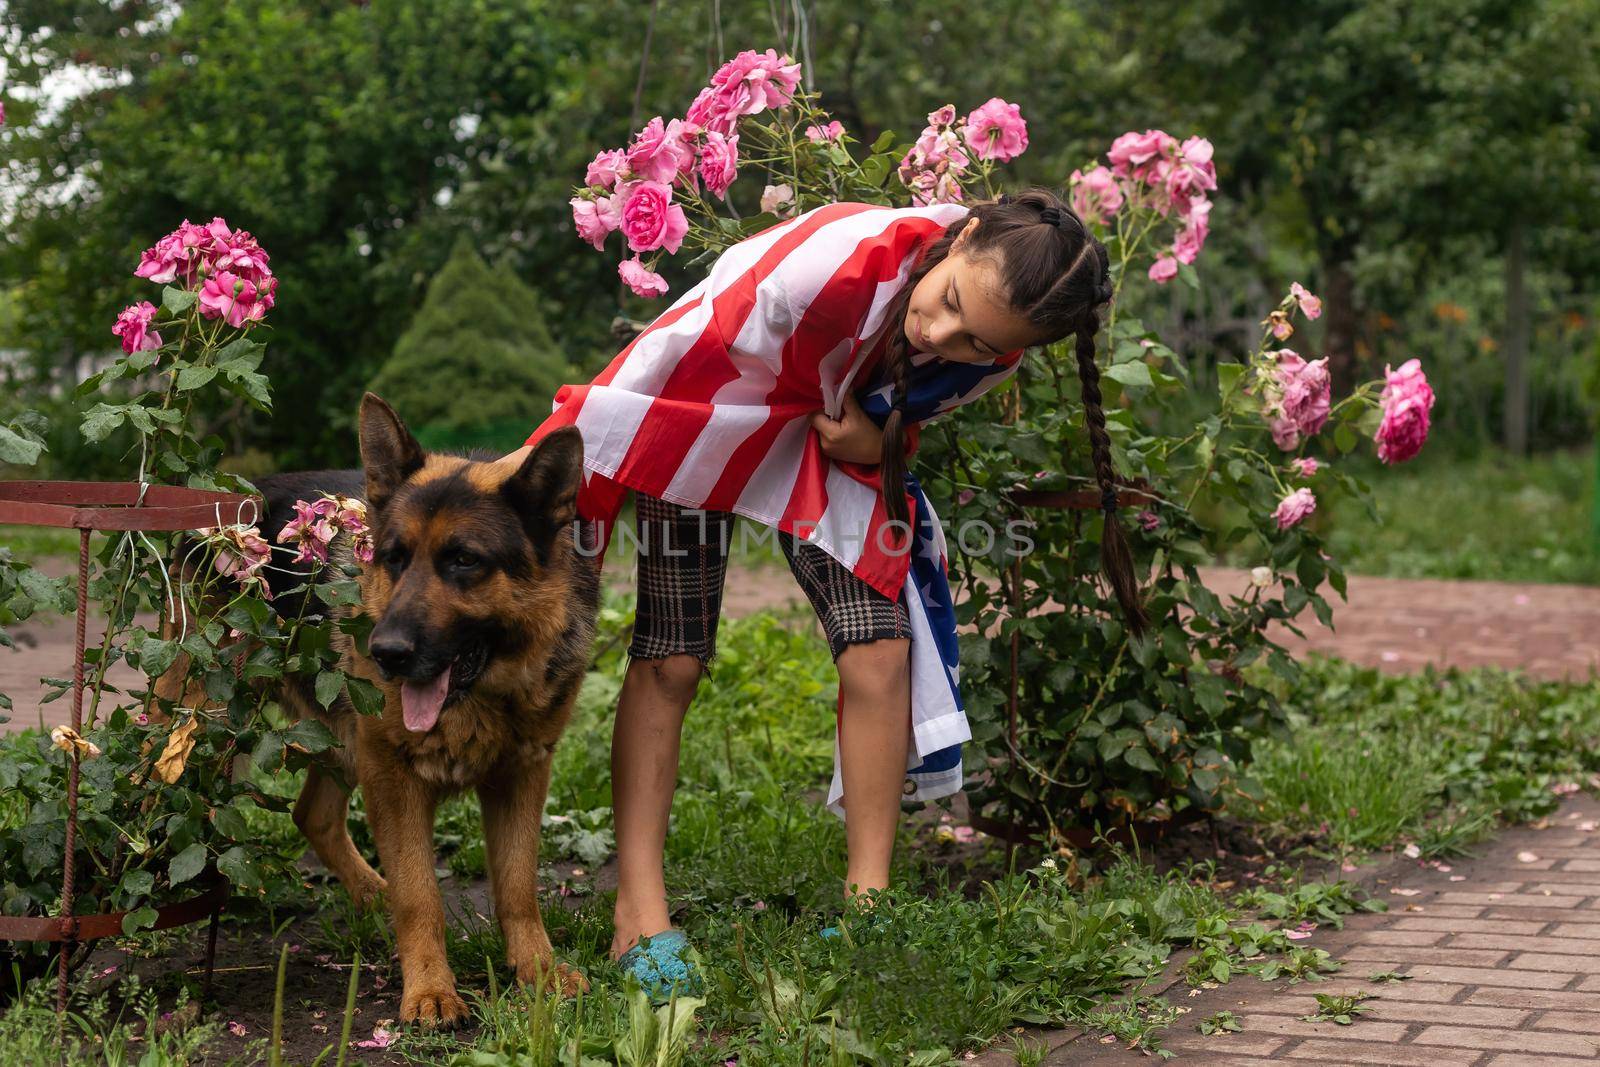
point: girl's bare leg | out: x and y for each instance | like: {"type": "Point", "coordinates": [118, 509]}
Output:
{"type": "Point", "coordinates": [874, 735]}
{"type": "Point", "coordinates": [644, 771]}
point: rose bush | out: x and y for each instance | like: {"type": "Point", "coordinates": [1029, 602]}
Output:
{"type": "Point", "coordinates": [164, 800]}
{"type": "Point", "coordinates": [1107, 728]}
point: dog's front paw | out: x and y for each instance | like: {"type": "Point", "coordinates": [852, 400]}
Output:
{"type": "Point", "coordinates": [433, 1006]}
{"type": "Point", "coordinates": [546, 974]}
{"type": "Point", "coordinates": [367, 891]}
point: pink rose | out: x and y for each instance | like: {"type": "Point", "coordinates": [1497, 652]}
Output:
{"type": "Point", "coordinates": [133, 326]}
{"type": "Point", "coordinates": [594, 219]}
{"type": "Point", "coordinates": [719, 161]}
{"type": "Point", "coordinates": [1295, 399]}
{"type": "Point", "coordinates": [240, 253]}
{"type": "Point", "coordinates": [751, 82]}
{"type": "Point", "coordinates": [1191, 174]}
{"type": "Point", "coordinates": [1096, 194]}
{"type": "Point", "coordinates": [1310, 306]}
{"type": "Point", "coordinates": [1135, 154]}
{"type": "Point", "coordinates": [943, 116]}
{"type": "Point", "coordinates": [1282, 329]}
{"type": "Point", "coordinates": [712, 112]}
{"type": "Point", "coordinates": [640, 279]}
{"type": "Point", "coordinates": [1407, 399]}
{"type": "Point", "coordinates": [997, 130]}
{"type": "Point", "coordinates": [1186, 246]}
{"type": "Point", "coordinates": [650, 219]}
{"type": "Point", "coordinates": [1164, 269]}
{"type": "Point", "coordinates": [1149, 521]}
{"type": "Point", "coordinates": [228, 296]}
{"type": "Point", "coordinates": [311, 531]}
{"type": "Point", "coordinates": [658, 152]}
{"type": "Point", "coordinates": [825, 134]}
{"type": "Point", "coordinates": [605, 168]}
{"type": "Point", "coordinates": [1305, 466]}
{"type": "Point", "coordinates": [1294, 508]}
{"type": "Point", "coordinates": [774, 198]}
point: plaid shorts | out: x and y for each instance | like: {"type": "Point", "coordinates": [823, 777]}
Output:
{"type": "Point", "coordinates": [683, 560]}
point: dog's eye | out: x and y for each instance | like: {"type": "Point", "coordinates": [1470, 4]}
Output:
{"type": "Point", "coordinates": [464, 560]}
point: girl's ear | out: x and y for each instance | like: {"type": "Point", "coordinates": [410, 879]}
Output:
{"type": "Point", "coordinates": [961, 238]}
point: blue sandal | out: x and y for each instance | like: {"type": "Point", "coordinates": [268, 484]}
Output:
{"type": "Point", "coordinates": [663, 962]}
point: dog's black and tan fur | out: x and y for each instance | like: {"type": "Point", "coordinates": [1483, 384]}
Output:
{"type": "Point", "coordinates": [476, 569]}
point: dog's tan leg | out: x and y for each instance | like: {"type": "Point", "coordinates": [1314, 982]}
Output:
{"type": "Point", "coordinates": [511, 813]}
{"type": "Point", "coordinates": [322, 814]}
{"type": "Point", "coordinates": [400, 811]}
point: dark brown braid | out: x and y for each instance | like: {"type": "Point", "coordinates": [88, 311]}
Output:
{"type": "Point", "coordinates": [1059, 277]}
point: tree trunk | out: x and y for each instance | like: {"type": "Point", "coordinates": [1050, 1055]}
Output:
{"type": "Point", "coordinates": [1343, 325]}
{"type": "Point", "coordinates": [1515, 425]}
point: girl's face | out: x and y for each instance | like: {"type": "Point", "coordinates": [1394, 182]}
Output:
{"type": "Point", "coordinates": [959, 312]}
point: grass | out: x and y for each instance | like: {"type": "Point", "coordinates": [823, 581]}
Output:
{"type": "Point", "coordinates": [1493, 516]}
{"type": "Point", "coordinates": [1437, 758]}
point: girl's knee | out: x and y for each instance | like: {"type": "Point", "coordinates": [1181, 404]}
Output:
{"type": "Point", "coordinates": [883, 663]}
{"type": "Point", "coordinates": [675, 677]}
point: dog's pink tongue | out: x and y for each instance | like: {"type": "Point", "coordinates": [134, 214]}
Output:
{"type": "Point", "coordinates": [420, 702]}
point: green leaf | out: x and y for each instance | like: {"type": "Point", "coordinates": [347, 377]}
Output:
{"type": "Point", "coordinates": [1132, 373]}
{"type": "Point", "coordinates": [138, 883]}
{"type": "Point", "coordinates": [310, 735]}
{"type": "Point", "coordinates": [100, 421]}
{"type": "Point", "coordinates": [230, 822]}
{"type": "Point", "coordinates": [15, 448]}
{"type": "Point", "coordinates": [139, 919]}
{"type": "Point", "coordinates": [156, 655]}
{"type": "Point", "coordinates": [178, 300]}
{"type": "Point", "coordinates": [1228, 377]}
{"type": "Point", "coordinates": [190, 378]}
{"type": "Point", "coordinates": [329, 685]}
{"type": "Point", "coordinates": [186, 864]}
{"type": "Point", "coordinates": [885, 139]}
{"type": "Point", "coordinates": [367, 698]}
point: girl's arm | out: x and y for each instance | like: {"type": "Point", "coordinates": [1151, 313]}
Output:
{"type": "Point", "coordinates": [853, 437]}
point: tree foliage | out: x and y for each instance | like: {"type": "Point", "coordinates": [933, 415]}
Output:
{"type": "Point", "coordinates": [478, 359]}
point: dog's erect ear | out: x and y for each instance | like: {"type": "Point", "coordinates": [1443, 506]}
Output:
{"type": "Point", "coordinates": [544, 491]}
{"type": "Point", "coordinates": [388, 451]}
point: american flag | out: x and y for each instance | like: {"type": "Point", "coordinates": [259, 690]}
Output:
{"type": "Point", "coordinates": [710, 407]}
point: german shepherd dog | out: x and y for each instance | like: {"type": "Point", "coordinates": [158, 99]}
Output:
{"type": "Point", "coordinates": [484, 622]}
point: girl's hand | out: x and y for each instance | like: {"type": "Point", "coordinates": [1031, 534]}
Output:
{"type": "Point", "coordinates": [852, 437]}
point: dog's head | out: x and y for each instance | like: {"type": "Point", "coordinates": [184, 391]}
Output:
{"type": "Point", "coordinates": [461, 550]}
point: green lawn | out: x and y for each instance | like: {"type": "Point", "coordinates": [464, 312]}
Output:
{"type": "Point", "coordinates": [1489, 517]}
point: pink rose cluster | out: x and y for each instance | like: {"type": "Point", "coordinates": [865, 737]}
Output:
{"type": "Point", "coordinates": [227, 267]}
{"type": "Point", "coordinates": [1295, 397]}
{"type": "Point", "coordinates": [1154, 169]}
{"type": "Point", "coordinates": [932, 169]}
{"type": "Point", "coordinates": [317, 523]}
{"type": "Point", "coordinates": [1407, 400]}
{"type": "Point", "coordinates": [631, 189]}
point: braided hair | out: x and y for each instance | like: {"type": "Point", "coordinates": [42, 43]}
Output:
{"type": "Point", "coordinates": [1058, 277]}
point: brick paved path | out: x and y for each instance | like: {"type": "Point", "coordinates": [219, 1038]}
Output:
{"type": "Point", "coordinates": [1503, 954]}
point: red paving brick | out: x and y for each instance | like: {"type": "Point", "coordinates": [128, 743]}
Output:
{"type": "Point", "coordinates": [1493, 981]}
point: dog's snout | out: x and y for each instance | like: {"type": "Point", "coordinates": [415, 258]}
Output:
{"type": "Point", "coordinates": [394, 654]}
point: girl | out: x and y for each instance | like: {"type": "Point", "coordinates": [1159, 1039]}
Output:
{"type": "Point", "coordinates": [714, 410]}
